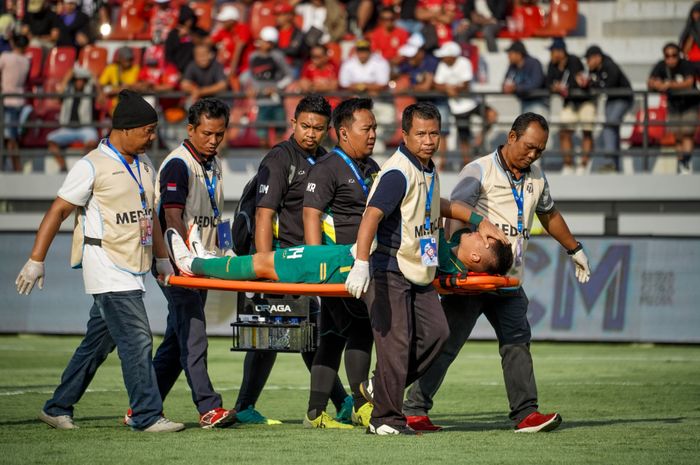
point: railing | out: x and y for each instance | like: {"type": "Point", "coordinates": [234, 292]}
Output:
{"type": "Point", "coordinates": [641, 98]}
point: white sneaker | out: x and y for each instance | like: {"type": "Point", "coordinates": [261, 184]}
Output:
{"type": "Point", "coordinates": [194, 238]}
{"type": "Point", "coordinates": [58, 422]}
{"type": "Point", "coordinates": [163, 425]}
{"type": "Point", "coordinates": [567, 170]}
{"type": "Point", "coordinates": [684, 168]}
{"type": "Point", "coordinates": [582, 170]}
{"type": "Point", "coordinates": [389, 430]}
{"type": "Point", "coordinates": [178, 251]}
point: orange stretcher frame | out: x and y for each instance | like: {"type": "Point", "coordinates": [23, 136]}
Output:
{"type": "Point", "coordinates": [472, 283]}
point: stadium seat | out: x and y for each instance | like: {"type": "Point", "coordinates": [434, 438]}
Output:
{"type": "Point", "coordinates": [561, 19]}
{"type": "Point", "coordinates": [524, 21]}
{"type": "Point", "coordinates": [131, 24]}
{"type": "Point", "coordinates": [204, 12]}
{"type": "Point", "coordinates": [403, 83]}
{"type": "Point", "coordinates": [657, 133]}
{"type": "Point", "coordinates": [261, 15]}
{"type": "Point", "coordinates": [36, 59]}
{"type": "Point", "coordinates": [59, 62]}
{"type": "Point", "coordinates": [93, 58]}
{"type": "Point", "coordinates": [334, 53]}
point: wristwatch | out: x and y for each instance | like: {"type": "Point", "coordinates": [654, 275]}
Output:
{"type": "Point", "coordinates": [578, 247]}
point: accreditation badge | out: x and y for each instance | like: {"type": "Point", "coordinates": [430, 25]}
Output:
{"type": "Point", "coordinates": [428, 251]}
{"type": "Point", "coordinates": [146, 230]}
{"type": "Point", "coordinates": [223, 234]}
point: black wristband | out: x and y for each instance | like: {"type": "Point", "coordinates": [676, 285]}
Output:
{"type": "Point", "coordinates": [578, 247]}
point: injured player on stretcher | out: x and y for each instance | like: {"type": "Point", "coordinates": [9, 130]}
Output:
{"type": "Point", "coordinates": [328, 264]}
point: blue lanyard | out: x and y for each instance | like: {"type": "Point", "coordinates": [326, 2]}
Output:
{"type": "Point", "coordinates": [142, 192]}
{"type": "Point", "coordinates": [211, 184]}
{"type": "Point", "coordinates": [354, 169]}
{"type": "Point", "coordinates": [211, 189]}
{"type": "Point", "coordinates": [519, 197]}
{"type": "Point", "coordinates": [428, 199]}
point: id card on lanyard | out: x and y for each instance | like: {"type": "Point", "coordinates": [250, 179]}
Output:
{"type": "Point", "coordinates": [224, 238]}
{"type": "Point", "coordinates": [428, 245]}
{"type": "Point", "coordinates": [519, 203]}
{"type": "Point", "coordinates": [145, 220]}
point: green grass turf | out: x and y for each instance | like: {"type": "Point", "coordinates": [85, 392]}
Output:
{"type": "Point", "coordinates": [631, 404]}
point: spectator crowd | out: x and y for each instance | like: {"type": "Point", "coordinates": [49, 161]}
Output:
{"type": "Point", "coordinates": [265, 50]}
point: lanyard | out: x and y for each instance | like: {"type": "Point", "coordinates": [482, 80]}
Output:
{"type": "Point", "coordinates": [428, 199]}
{"type": "Point", "coordinates": [428, 191]}
{"type": "Point", "coordinates": [354, 169]}
{"type": "Point", "coordinates": [517, 196]}
{"type": "Point", "coordinates": [142, 192]}
{"type": "Point", "coordinates": [211, 184]}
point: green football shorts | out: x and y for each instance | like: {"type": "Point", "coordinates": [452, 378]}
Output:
{"type": "Point", "coordinates": [314, 264]}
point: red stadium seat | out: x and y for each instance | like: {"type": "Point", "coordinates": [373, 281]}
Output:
{"type": "Point", "coordinates": [403, 83]}
{"type": "Point", "coordinates": [59, 62]}
{"type": "Point", "coordinates": [131, 24]}
{"type": "Point", "coordinates": [204, 12]}
{"type": "Point", "coordinates": [36, 59]}
{"type": "Point", "coordinates": [262, 15]}
{"type": "Point", "coordinates": [334, 53]}
{"type": "Point", "coordinates": [657, 132]}
{"type": "Point", "coordinates": [93, 58]}
{"type": "Point", "coordinates": [561, 19]}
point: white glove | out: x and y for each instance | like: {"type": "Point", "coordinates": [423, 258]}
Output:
{"type": "Point", "coordinates": [583, 272]}
{"type": "Point", "coordinates": [164, 269]}
{"type": "Point", "coordinates": [357, 281]}
{"type": "Point", "coordinates": [31, 273]}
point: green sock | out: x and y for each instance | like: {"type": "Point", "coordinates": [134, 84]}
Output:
{"type": "Point", "coordinates": [234, 268]}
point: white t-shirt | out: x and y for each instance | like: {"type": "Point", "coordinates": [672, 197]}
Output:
{"type": "Point", "coordinates": [313, 16]}
{"type": "Point", "coordinates": [375, 71]}
{"type": "Point", "coordinates": [99, 273]}
{"type": "Point", "coordinates": [460, 72]}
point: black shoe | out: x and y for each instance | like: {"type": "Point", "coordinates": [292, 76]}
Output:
{"type": "Point", "coordinates": [390, 430]}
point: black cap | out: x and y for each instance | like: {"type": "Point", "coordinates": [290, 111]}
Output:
{"type": "Point", "coordinates": [593, 50]}
{"type": "Point", "coordinates": [558, 44]}
{"type": "Point", "coordinates": [518, 47]}
{"type": "Point", "coordinates": [133, 111]}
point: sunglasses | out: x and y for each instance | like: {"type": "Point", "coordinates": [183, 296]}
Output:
{"type": "Point", "coordinates": [671, 55]}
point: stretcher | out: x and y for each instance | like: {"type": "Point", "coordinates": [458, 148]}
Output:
{"type": "Point", "coordinates": [470, 283]}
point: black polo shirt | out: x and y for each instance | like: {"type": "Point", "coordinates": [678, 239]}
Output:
{"type": "Point", "coordinates": [286, 198]}
{"type": "Point", "coordinates": [332, 186]}
{"type": "Point", "coordinates": [676, 103]}
{"type": "Point", "coordinates": [573, 67]}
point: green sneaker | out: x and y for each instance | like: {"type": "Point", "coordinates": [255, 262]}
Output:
{"type": "Point", "coordinates": [250, 416]}
{"type": "Point", "coordinates": [324, 421]}
{"type": "Point", "coordinates": [345, 413]}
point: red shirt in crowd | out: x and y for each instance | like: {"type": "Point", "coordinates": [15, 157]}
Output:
{"type": "Point", "coordinates": [226, 41]}
{"type": "Point", "coordinates": [443, 30]}
{"type": "Point", "coordinates": [387, 42]}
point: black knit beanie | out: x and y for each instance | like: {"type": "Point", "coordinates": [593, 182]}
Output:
{"type": "Point", "coordinates": [132, 111]}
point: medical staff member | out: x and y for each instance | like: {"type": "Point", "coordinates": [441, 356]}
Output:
{"type": "Point", "coordinates": [114, 241]}
{"type": "Point", "coordinates": [508, 189]}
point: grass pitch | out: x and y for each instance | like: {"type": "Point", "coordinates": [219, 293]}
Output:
{"type": "Point", "coordinates": [621, 404]}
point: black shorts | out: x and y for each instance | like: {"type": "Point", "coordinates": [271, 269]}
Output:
{"type": "Point", "coordinates": [339, 315]}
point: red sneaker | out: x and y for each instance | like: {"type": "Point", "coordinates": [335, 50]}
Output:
{"type": "Point", "coordinates": [217, 418]}
{"type": "Point", "coordinates": [421, 423]}
{"type": "Point", "coordinates": [536, 422]}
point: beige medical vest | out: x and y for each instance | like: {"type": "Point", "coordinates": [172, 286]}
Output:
{"type": "Point", "coordinates": [413, 216]}
{"type": "Point", "coordinates": [119, 203]}
{"type": "Point", "coordinates": [198, 206]}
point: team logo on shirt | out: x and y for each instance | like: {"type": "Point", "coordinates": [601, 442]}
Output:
{"type": "Point", "coordinates": [529, 188]}
{"type": "Point", "coordinates": [263, 189]}
{"type": "Point", "coordinates": [311, 187]}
